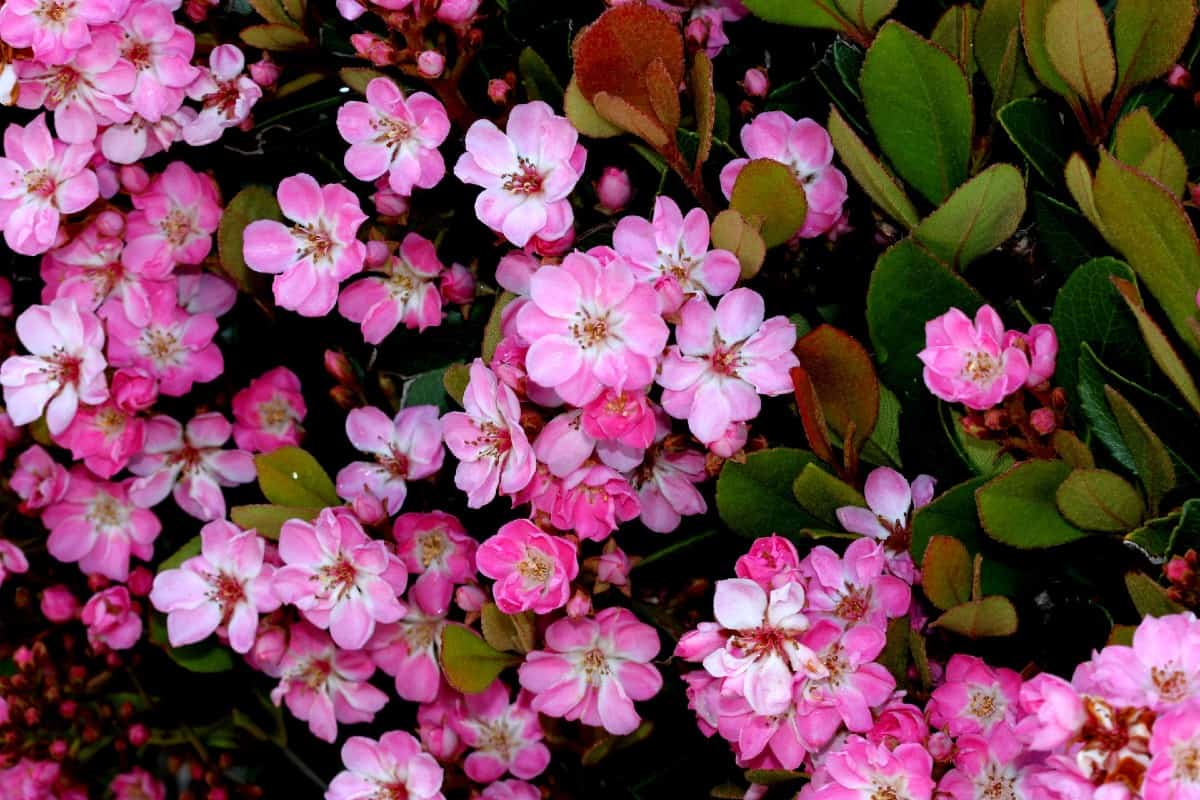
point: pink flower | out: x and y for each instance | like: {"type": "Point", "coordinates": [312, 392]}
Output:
{"type": "Point", "coordinates": [55, 30]}
{"type": "Point", "coordinates": [267, 413]}
{"type": "Point", "coordinates": [408, 650]}
{"type": "Point", "coordinates": [974, 698]}
{"type": "Point", "coordinates": [613, 566]}
{"type": "Point", "coordinates": [12, 560]}
{"type": "Point", "coordinates": [594, 669]}
{"type": "Point", "coordinates": [971, 363]}
{"type": "Point", "coordinates": [226, 587]}
{"type": "Point", "coordinates": [1161, 669]}
{"type": "Point", "coordinates": [100, 528]}
{"type": "Point", "coordinates": [430, 63]}
{"type": "Point", "coordinates": [316, 254]}
{"type": "Point", "coordinates": [436, 548]}
{"type": "Point", "coordinates": [488, 440]}
{"type": "Point", "coordinates": [510, 790]}
{"type": "Point", "coordinates": [855, 588]}
{"type": "Point", "coordinates": [38, 479]}
{"type": "Point", "coordinates": [394, 766]}
{"type": "Point", "coordinates": [771, 562]}
{"type": "Point", "coordinates": [860, 770]}
{"type": "Point", "coordinates": [994, 766]}
{"type": "Point", "coordinates": [40, 180]}
{"type": "Point", "coordinates": [852, 688]}
{"type": "Point", "coordinates": [613, 190]}
{"type": "Point", "coordinates": [189, 463]}
{"type": "Point", "coordinates": [227, 93]}
{"type": "Point", "coordinates": [407, 293]}
{"type": "Point", "coordinates": [111, 619]}
{"type": "Point", "coordinates": [532, 569]}
{"type": "Point", "coordinates": [137, 784]}
{"type": "Point", "coordinates": [172, 223]}
{"type": "Point", "coordinates": [592, 501]}
{"type": "Point", "coordinates": [1041, 348]}
{"type": "Point", "coordinates": [161, 53]}
{"type": "Point", "coordinates": [666, 483]}
{"type": "Point", "coordinates": [526, 173]}
{"type": "Point", "coordinates": [891, 501]}
{"type": "Point", "coordinates": [104, 437]}
{"type": "Point", "coordinates": [204, 292]}
{"type": "Point", "coordinates": [134, 390]}
{"type": "Point", "coordinates": [457, 285]}
{"type": "Point", "coordinates": [175, 347]}
{"type": "Point", "coordinates": [621, 416]}
{"type": "Point", "coordinates": [671, 254]}
{"type": "Point", "coordinates": [1175, 748]}
{"type": "Point", "coordinates": [58, 604]}
{"type": "Point", "coordinates": [1053, 712]}
{"type": "Point", "coordinates": [395, 135]}
{"type": "Point", "coordinates": [436, 723]}
{"type": "Point", "coordinates": [339, 578]}
{"type": "Point", "coordinates": [804, 147]}
{"type": "Point", "coordinates": [406, 448]}
{"type": "Point", "coordinates": [591, 325]}
{"type": "Point", "coordinates": [724, 360]}
{"type": "Point", "coordinates": [506, 736]}
{"type": "Point", "coordinates": [323, 685]}
{"type": "Point", "coordinates": [88, 270]}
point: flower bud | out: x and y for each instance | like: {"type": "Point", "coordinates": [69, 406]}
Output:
{"type": "Point", "coordinates": [1177, 570]}
{"type": "Point", "coordinates": [138, 735]}
{"type": "Point", "coordinates": [431, 63]}
{"type": "Point", "coordinates": [141, 581]}
{"type": "Point", "coordinates": [457, 12]}
{"type": "Point", "coordinates": [339, 367]}
{"type": "Point", "coordinates": [580, 604]}
{"type": "Point", "coordinates": [614, 190]}
{"type": "Point", "coordinates": [497, 91]}
{"type": "Point", "coordinates": [134, 390]}
{"type": "Point", "coordinates": [58, 749]}
{"type": "Point", "coordinates": [1179, 78]}
{"type": "Point", "coordinates": [1043, 421]}
{"type": "Point", "coordinates": [458, 285]}
{"type": "Point", "coordinates": [469, 598]}
{"type": "Point", "coordinates": [265, 72]}
{"type": "Point", "coordinates": [134, 178]}
{"type": "Point", "coordinates": [755, 82]}
{"type": "Point", "coordinates": [373, 49]}
{"type": "Point", "coordinates": [58, 604]}
{"type": "Point", "coordinates": [110, 222]}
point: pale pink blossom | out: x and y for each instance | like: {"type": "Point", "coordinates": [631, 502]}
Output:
{"type": "Point", "coordinates": [267, 413]}
{"type": "Point", "coordinates": [853, 686]}
{"type": "Point", "coordinates": [172, 222]}
{"type": "Point", "coordinates": [510, 790]}
{"type": "Point", "coordinates": [12, 560]}
{"type": "Point", "coordinates": [324, 685]}
{"type": "Point", "coordinates": [394, 766]}
{"type": "Point", "coordinates": [104, 437]}
{"type": "Point", "coordinates": [111, 619]}
{"type": "Point", "coordinates": [100, 528]}
{"type": "Point", "coordinates": [666, 482]}
{"type": "Point", "coordinates": [855, 588]}
{"type": "Point", "coordinates": [88, 270]}
{"type": "Point", "coordinates": [406, 448]}
{"type": "Point", "coordinates": [189, 463]}
{"type": "Point", "coordinates": [505, 736]}
{"type": "Point", "coordinates": [723, 361]}
{"type": "Point", "coordinates": [526, 173]}
{"type": "Point", "coordinates": [974, 697]}
{"type": "Point", "coordinates": [160, 52]}
{"type": "Point", "coordinates": [1175, 749]}
{"type": "Point", "coordinates": [487, 439]}
{"type": "Point", "coordinates": [65, 366]}
{"type": "Point", "coordinates": [339, 578]}
{"type": "Point", "coordinates": [1161, 669]}
{"type": "Point", "coordinates": [436, 548]}
{"type": "Point", "coordinates": [407, 292]}
{"type": "Point", "coordinates": [670, 252]}
{"type": "Point", "coordinates": [175, 346]}
{"type": "Point", "coordinates": [224, 588]}
{"type": "Point", "coordinates": [227, 94]}
{"type": "Point", "coordinates": [533, 570]}
{"type": "Point", "coordinates": [592, 501]}
{"type": "Point", "coordinates": [139, 138]}
{"type": "Point", "coordinates": [457, 12]}
{"type": "Point", "coordinates": [993, 766]}
{"type": "Point", "coordinates": [41, 179]}
{"type": "Point", "coordinates": [593, 669]}
{"type": "Point", "coordinates": [972, 363]}
{"type": "Point", "coordinates": [408, 650]}
{"type": "Point", "coordinates": [860, 770]}
{"type": "Point", "coordinates": [38, 479]}
{"type": "Point", "coordinates": [804, 147]}
{"type": "Point", "coordinates": [396, 135]}
{"type": "Point", "coordinates": [312, 257]}
{"type": "Point", "coordinates": [137, 784]}
{"type": "Point", "coordinates": [891, 501]}
{"type": "Point", "coordinates": [55, 30]}
{"type": "Point", "coordinates": [591, 325]}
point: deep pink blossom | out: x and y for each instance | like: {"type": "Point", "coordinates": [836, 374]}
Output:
{"type": "Point", "coordinates": [41, 179]}
{"type": "Point", "coordinates": [111, 619]}
{"type": "Point", "coordinates": [175, 347]}
{"type": "Point", "coordinates": [770, 562]}
{"type": "Point", "coordinates": [1052, 710]}
{"type": "Point", "coordinates": [160, 52]}
{"type": "Point", "coordinates": [972, 363]}
{"type": "Point", "coordinates": [526, 173]}
{"type": "Point", "coordinates": [172, 223]}
{"type": "Point", "coordinates": [593, 669]}
{"type": "Point", "coordinates": [12, 560]}
{"type": "Point", "coordinates": [99, 527]}
{"type": "Point", "coordinates": [137, 784]}
{"type": "Point", "coordinates": [65, 366]}
{"type": "Point", "coordinates": [1041, 347]}
{"type": "Point", "coordinates": [104, 437]}
{"type": "Point", "coordinates": [223, 588]}
{"type": "Point", "coordinates": [860, 770]}
{"type": "Point", "coordinates": [510, 789]}
{"type": "Point", "coordinates": [993, 766]}
{"type": "Point", "coordinates": [38, 479]}
{"type": "Point", "coordinates": [394, 766]}
{"type": "Point", "coordinates": [621, 416]}
{"type": "Point", "coordinates": [592, 501]}
{"type": "Point", "coordinates": [408, 650]}
{"type": "Point", "coordinates": [724, 360]}
{"type": "Point", "coordinates": [407, 292]}
{"type": "Point", "coordinates": [505, 736]}
{"type": "Point", "coordinates": [227, 95]}
{"type": "Point", "coordinates": [851, 688]}
{"type": "Point", "coordinates": [88, 270]}
{"type": "Point", "coordinates": [396, 135]}
{"type": "Point", "coordinates": [436, 722]}
{"type": "Point", "coordinates": [533, 570]}
{"type": "Point", "coordinates": [1175, 749]}
{"type": "Point", "coordinates": [312, 257]}
{"type": "Point", "coordinates": [974, 698]}
{"type": "Point", "coordinates": [666, 483]}
{"type": "Point", "coordinates": [189, 463]}
{"type": "Point", "coordinates": [855, 588]}
{"type": "Point", "coordinates": [406, 448]}
{"type": "Point", "coordinates": [267, 413]}
{"type": "Point", "coordinates": [55, 30]}
{"type": "Point", "coordinates": [437, 549]}
{"type": "Point", "coordinates": [341, 579]}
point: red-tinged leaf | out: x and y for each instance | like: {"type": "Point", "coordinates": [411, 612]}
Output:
{"type": "Point", "coordinates": [706, 104]}
{"type": "Point", "coordinates": [844, 379]}
{"type": "Point", "coordinates": [810, 415]}
{"type": "Point", "coordinates": [946, 572]}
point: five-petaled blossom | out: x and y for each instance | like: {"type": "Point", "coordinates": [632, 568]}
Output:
{"type": "Point", "coordinates": [99, 527]}
{"type": "Point", "coordinates": [891, 501]}
{"type": "Point", "coordinates": [407, 292]}
{"type": "Point", "coordinates": [395, 766]}
{"type": "Point", "coordinates": [407, 448]}
{"type": "Point", "coordinates": [437, 549]}
{"type": "Point", "coordinates": [975, 364]}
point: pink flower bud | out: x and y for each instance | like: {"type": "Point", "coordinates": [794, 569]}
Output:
{"type": "Point", "coordinates": [458, 285]}
{"type": "Point", "coordinates": [498, 90]}
{"type": "Point", "coordinates": [469, 598]}
{"type": "Point", "coordinates": [941, 746]}
{"type": "Point", "coordinates": [377, 254]}
{"type": "Point", "coordinates": [58, 604]}
{"type": "Point", "coordinates": [58, 749]}
{"type": "Point", "coordinates": [457, 12]}
{"type": "Point", "coordinates": [141, 581]}
{"type": "Point", "coordinates": [556, 247]}
{"type": "Point", "coordinates": [1043, 421]}
{"type": "Point", "coordinates": [138, 736]}
{"type": "Point", "coordinates": [1177, 570]}
{"type": "Point", "coordinates": [614, 190]}
{"type": "Point", "coordinates": [388, 202]}
{"type": "Point", "coordinates": [431, 63]}
{"type": "Point", "coordinates": [613, 567]}
{"type": "Point", "coordinates": [265, 72]}
{"type": "Point", "coordinates": [580, 604]}
{"type": "Point", "coordinates": [134, 390]}
{"type": "Point", "coordinates": [23, 657]}
{"type": "Point", "coordinates": [134, 179]}
{"type": "Point", "coordinates": [339, 367]}
{"type": "Point", "coordinates": [374, 49]}
{"type": "Point", "coordinates": [755, 83]}
{"type": "Point", "coordinates": [67, 709]}
{"type": "Point", "coordinates": [1179, 78]}
{"type": "Point", "coordinates": [110, 223]}
{"type": "Point", "coordinates": [733, 440]}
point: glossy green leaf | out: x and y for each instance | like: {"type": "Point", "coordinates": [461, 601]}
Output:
{"type": "Point", "coordinates": [1150, 457]}
{"type": "Point", "coordinates": [357, 78]}
{"type": "Point", "coordinates": [871, 175]}
{"type": "Point", "coordinates": [952, 513]}
{"type": "Point", "coordinates": [1153, 537]}
{"type": "Point", "coordinates": [769, 191]}
{"type": "Point", "coordinates": [469, 663]}
{"type": "Point", "coordinates": [1160, 347]}
{"type": "Point", "coordinates": [999, 52]}
{"type": "Point", "coordinates": [1148, 597]}
{"type": "Point", "coordinates": [980, 619]}
{"type": "Point", "coordinates": [865, 14]}
{"type": "Point", "coordinates": [1150, 37]}
{"type": "Point", "coordinates": [252, 203]}
{"type": "Point", "coordinates": [268, 519]}
{"type": "Point", "coordinates": [1099, 500]}
{"type": "Point", "coordinates": [755, 498]}
{"type": "Point", "coordinates": [205, 657]}
{"type": "Point", "coordinates": [455, 381]}
{"type": "Point", "coordinates": [538, 79]}
{"type": "Point", "coordinates": [955, 33]}
{"type": "Point", "coordinates": [273, 36]}
{"type": "Point", "coordinates": [584, 116]}
{"type": "Point", "coordinates": [1093, 401]}
{"type": "Point", "coordinates": [919, 104]}
{"type": "Point", "coordinates": [514, 633]}
{"type": "Point", "coordinates": [821, 14]}
{"type": "Point", "coordinates": [1186, 534]}
{"type": "Point", "coordinates": [290, 476]}
{"type": "Point", "coordinates": [977, 218]}
{"type": "Point", "coordinates": [1076, 39]}
{"type": "Point", "coordinates": [189, 549]}
{"type": "Point", "coordinates": [1143, 145]}
{"type": "Point", "coordinates": [493, 333]}
{"type": "Point", "coordinates": [1018, 507]}
{"type": "Point", "coordinates": [731, 231]}
{"type": "Point", "coordinates": [822, 494]}
{"type": "Point", "coordinates": [946, 572]}
{"type": "Point", "coordinates": [1033, 35]}
{"type": "Point", "coordinates": [1037, 129]}
{"type": "Point", "coordinates": [426, 389]}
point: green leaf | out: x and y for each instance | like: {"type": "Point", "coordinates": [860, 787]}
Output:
{"type": "Point", "coordinates": [1081, 185]}
{"type": "Point", "coordinates": [1186, 535]}
{"type": "Point", "coordinates": [1037, 129]}
{"type": "Point", "coordinates": [493, 333]}
{"type": "Point", "coordinates": [514, 633]}
{"type": "Point", "coordinates": [705, 99]}
{"type": "Point", "coordinates": [955, 33]}
{"type": "Point", "coordinates": [190, 548]}
{"type": "Point", "coordinates": [267, 519]}
{"type": "Point", "coordinates": [585, 117]}
{"type": "Point", "coordinates": [469, 663]}
{"type": "Point", "coordinates": [455, 381]}
{"type": "Point", "coordinates": [1160, 347]}
{"type": "Point", "coordinates": [252, 203]}
{"type": "Point", "coordinates": [895, 655]}
{"type": "Point", "coordinates": [1033, 34]}
{"type": "Point", "coordinates": [1143, 145]}
{"type": "Point", "coordinates": [426, 389]}
{"type": "Point", "coordinates": [1153, 537]}
{"type": "Point", "coordinates": [908, 288]}
{"type": "Point", "coordinates": [952, 513]}
{"type": "Point", "coordinates": [207, 656]}
{"type": "Point", "coordinates": [820, 14]}
{"type": "Point", "coordinates": [272, 11]}
{"type": "Point", "coordinates": [357, 78]}
{"type": "Point", "coordinates": [290, 476]}
{"type": "Point", "coordinates": [731, 231]}
{"type": "Point", "coordinates": [1148, 597]}
{"type": "Point", "coordinates": [843, 377]}
{"type": "Point", "coordinates": [538, 79]}
{"type": "Point", "coordinates": [1148, 225]}
{"type": "Point", "coordinates": [822, 494]}
{"type": "Point", "coordinates": [1068, 237]}
{"type": "Point", "coordinates": [1077, 42]}
{"type": "Point", "coordinates": [769, 191]}
{"type": "Point", "coordinates": [871, 175]}
{"type": "Point", "coordinates": [979, 619]}
{"type": "Point", "coordinates": [983, 456]}
{"type": "Point", "coordinates": [883, 448]}
{"type": "Point", "coordinates": [1094, 402]}
{"type": "Point", "coordinates": [273, 36]}
{"type": "Point", "coordinates": [773, 777]}
{"type": "Point", "coordinates": [977, 218]}
{"type": "Point", "coordinates": [946, 572]}
{"type": "Point", "coordinates": [755, 498]}
{"type": "Point", "coordinates": [1150, 36]}
{"type": "Point", "coordinates": [1150, 457]}
{"type": "Point", "coordinates": [919, 104]}
{"type": "Point", "coordinates": [1018, 508]}
{"type": "Point", "coordinates": [866, 14]}
{"type": "Point", "coordinates": [998, 49]}
{"type": "Point", "coordinates": [1099, 500]}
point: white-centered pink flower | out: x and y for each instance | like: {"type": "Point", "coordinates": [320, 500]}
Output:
{"type": "Point", "coordinates": [396, 135]}
{"type": "Point", "coordinates": [267, 413]}
{"type": "Point", "coordinates": [393, 767]}
{"type": "Point", "coordinates": [407, 292]}
{"type": "Point", "coordinates": [65, 366]}
{"type": "Point", "coordinates": [533, 570]}
{"type": "Point", "coordinates": [160, 53]}
{"type": "Point", "coordinates": [88, 270]}
{"type": "Point", "coordinates": [340, 578]}
{"type": "Point", "coordinates": [437, 549]}
{"type": "Point", "coordinates": [99, 527]}
{"type": "Point", "coordinates": [975, 364]}
{"type": "Point", "coordinates": [591, 325]}
{"type": "Point", "coordinates": [723, 361]}
{"type": "Point", "coordinates": [313, 256]}
{"type": "Point", "coordinates": [172, 223]}
{"type": "Point", "coordinates": [55, 29]}
{"type": "Point", "coordinates": [226, 92]}
{"type": "Point", "coordinates": [891, 501]}
{"type": "Point", "coordinates": [506, 736]}
{"type": "Point", "coordinates": [527, 173]}
{"type": "Point", "coordinates": [408, 650]}
{"type": "Point", "coordinates": [174, 346]}
{"type": "Point", "coordinates": [408, 447]}
{"type": "Point", "coordinates": [223, 588]}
